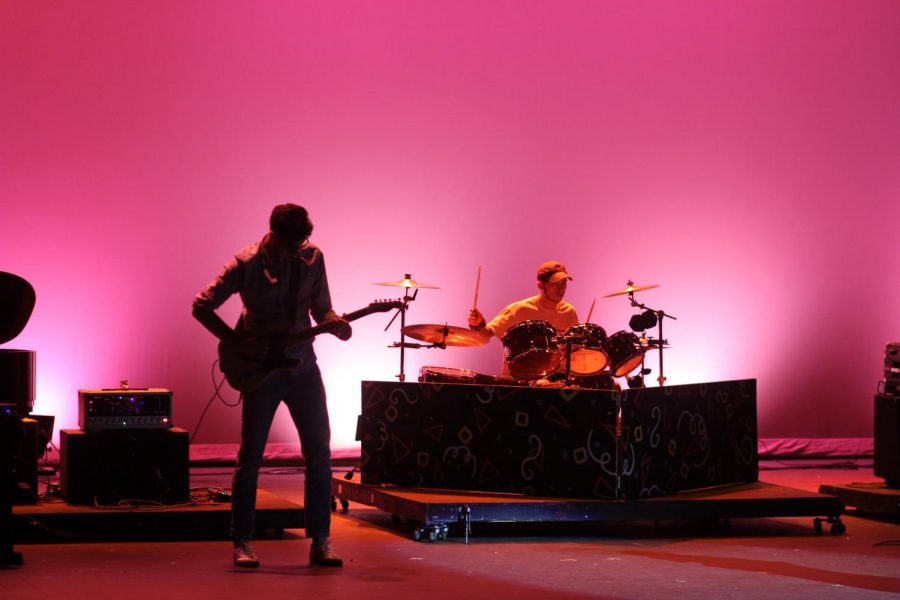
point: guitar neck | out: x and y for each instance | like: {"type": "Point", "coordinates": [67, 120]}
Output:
{"type": "Point", "coordinates": [300, 336]}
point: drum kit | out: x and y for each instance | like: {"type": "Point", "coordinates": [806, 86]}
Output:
{"type": "Point", "coordinates": [535, 350]}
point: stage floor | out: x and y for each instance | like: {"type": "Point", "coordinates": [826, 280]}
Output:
{"type": "Point", "coordinates": [752, 558]}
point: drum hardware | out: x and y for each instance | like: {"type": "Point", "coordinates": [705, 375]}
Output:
{"type": "Point", "coordinates": [568, 340]}
{"type": "Point", "coordinates": [407, 283]}
{"type": "Point", "coordinates": [645, 320]}
{"type": "Point", "coordinates": [414, 346]}
{"type": "Point", "coordinates": [637, 381]}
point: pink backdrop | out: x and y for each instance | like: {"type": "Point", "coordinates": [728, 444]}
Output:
{"type": "Point", "coordinates": [742, 155]}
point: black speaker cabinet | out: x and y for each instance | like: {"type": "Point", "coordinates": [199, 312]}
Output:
{"type": "Point", "coordinates": [887, 439]}
{"type": "Point", "coordinates": [26, 464]}
{"type": "Point", "coordinates": [106, 467]}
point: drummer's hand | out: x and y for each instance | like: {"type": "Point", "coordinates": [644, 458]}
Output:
{"type": "Point", "coordinates": [340, 328]}
{"type": "Point", "coordinates": [476, 319]}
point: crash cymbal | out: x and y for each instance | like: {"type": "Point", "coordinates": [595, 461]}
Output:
{"type": "Point", "coordinates": [408, 282]}
{"type": "Point", "coordinates": [630, 289]}
{"type": "Point", "coordinates": [444, 334]}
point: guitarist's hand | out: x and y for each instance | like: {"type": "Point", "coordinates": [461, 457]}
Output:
{"type": "Point", "coordinates": [340, 328]}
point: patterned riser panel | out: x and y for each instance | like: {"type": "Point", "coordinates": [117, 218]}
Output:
{"type": "Point", "coordinates": [687, 437]}
{"type": "Point", "coordinates": [558, 442]}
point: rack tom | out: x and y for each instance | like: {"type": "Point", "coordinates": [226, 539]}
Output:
{"type": "Point", "coordinates": [531, 350]}
{"type": "Point", "coordinates": [588, 355]}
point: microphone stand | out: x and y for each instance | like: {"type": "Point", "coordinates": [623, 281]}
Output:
{"type": "Point", "coordinates": [660, 315]}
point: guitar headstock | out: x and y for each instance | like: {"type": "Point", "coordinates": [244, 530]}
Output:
{"type": "Point", "coordinates": [385, 305]}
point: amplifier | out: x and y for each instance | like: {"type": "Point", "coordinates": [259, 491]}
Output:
{"type": "Point", "coordinates": [892, 369]}
{"type": "Point", "coordinates": [124, 408]}
{"type": "Point", "coordinates": [107, 467]}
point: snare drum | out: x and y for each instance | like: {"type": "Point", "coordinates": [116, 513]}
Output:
{"type": "Point", "coordinates": [531, 350]}
{"type": "Point", "coordinates": [588, 356]}
{"type": "Point", "coordinates": [625, 353]}
{"type": "Point", "coordinates": [597, 381]}
{"type": "Point", "coordinates": [446, 375]}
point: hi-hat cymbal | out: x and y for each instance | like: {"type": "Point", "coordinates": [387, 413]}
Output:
{"type": "Point", "coordinates": [408, 282]}
{"type": "Point", "coordinates": [444, 334]}
{"type": "Point", "coordinates": [630, 289]}
{"type": "Point", "coordinates": [650, 343]}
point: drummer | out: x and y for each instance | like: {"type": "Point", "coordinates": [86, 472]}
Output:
{"type": "Point", "coordinates": [548, 305]}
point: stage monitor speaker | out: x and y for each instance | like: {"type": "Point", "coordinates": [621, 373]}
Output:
{"type": "Point", "coordinates": [108, 467]}
{"type": "Point", "coordinates": [887, 439]}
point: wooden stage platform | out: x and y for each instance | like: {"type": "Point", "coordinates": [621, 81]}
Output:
{"type": "Point", "coordinates": [200, 518]}
{"type": "Point", "coordinates": [876, 498]}
{"type": "Point", "coordinates": [438, 512]}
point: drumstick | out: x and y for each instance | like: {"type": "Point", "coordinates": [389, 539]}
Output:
{"type": "Point", "coordinates": [477, 285]}
{"type": "Point", "coordinates": [590, 312]}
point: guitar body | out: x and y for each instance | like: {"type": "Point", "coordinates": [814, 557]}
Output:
{"type": "Point", "coordinates": [246, 373]}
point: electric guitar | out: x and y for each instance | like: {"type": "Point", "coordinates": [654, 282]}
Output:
{"type": "Point", "coordinates": [245, 373]}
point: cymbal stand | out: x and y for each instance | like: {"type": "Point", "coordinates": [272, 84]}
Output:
{"type": "Point", "coordinates": [568, 339]}
{"type": "Point", "coordinates": [660, 315]}
{"type": "Point", "coordinates": [403, 345]}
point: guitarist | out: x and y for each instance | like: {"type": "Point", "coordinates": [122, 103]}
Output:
{"type": "Point", "coordinates": [280, 279]}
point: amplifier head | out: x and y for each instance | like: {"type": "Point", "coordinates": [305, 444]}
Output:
{"type": "Point", "coordinates": [125, 408]}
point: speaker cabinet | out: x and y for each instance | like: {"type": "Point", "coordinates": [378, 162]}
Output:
{"type": "Point", "coordinates": [26, 464]}
{"type": "Point", "coordinates": [106, 467]}
{"type": "Point", "coordinates": [887, 439]}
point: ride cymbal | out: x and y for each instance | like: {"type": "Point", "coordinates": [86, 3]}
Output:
{"type": "Point", "coordinates": [444, 334]}
{"type": "Point", "coordinates": [630, 289]}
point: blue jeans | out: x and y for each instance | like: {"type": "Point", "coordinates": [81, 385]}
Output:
{"type": "Point", "coordinates": [304, 396]}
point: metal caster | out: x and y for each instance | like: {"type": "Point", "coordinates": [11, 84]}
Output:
{"type": "Point", "coordinates": [433, 532]}
{"type": "Point", "coordinates": [837, 526]}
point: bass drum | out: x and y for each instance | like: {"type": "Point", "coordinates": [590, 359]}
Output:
{"type": "Point", "coordinates": [588, 356]}
{"type": "Point", "coordinates": [597, 381]}
{"type": "Point", "coordinates": [531, 351]}
{"type": "Point", "coordinates": [446, 375]}
{"type": "Point", "coordinates": [625, 353]}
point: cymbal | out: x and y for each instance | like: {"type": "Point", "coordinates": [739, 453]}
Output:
{"type": "Point", "coordinates": [408, 282]}
{"type": "Point", "coordinates": [444, 334]}
{"type": "Point", "coordinates": [630, 289]}
{"type": "Point", "coordinates": [651, 343]}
